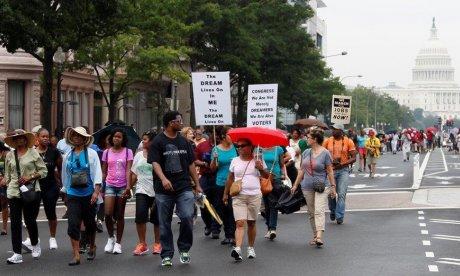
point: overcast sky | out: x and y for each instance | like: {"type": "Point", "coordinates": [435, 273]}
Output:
{"type": "Point", "coordinates": [382, 38]}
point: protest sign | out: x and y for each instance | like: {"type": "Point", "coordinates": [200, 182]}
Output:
{"type": "Point", "coordinates": [211, 95]}
{"type": "Point", "coordinates": [262, 105]}
{"type": "Point", "coordinates": [341, 109]}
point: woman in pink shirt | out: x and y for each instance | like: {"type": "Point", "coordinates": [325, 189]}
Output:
{"type": "Point", "coordinates": [116, 165]}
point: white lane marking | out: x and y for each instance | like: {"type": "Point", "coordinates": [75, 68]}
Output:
{"type": "Point", "coordinates": [360, 186]}
{"type": "Point", "coordinates": [429, 254]}
{"type": "Point", "coordinates": [445, 221]}
{"type": "Point", "coordinates": [424, 232]}
{"type": "Point", "coordinates": [446, 238]}
{"type": "Point", "coordinates": [421, 218]}
{"type": "Point", "coordinates": [433, 268]}
{"type": "Point", "coordinates": [444, 162]}
{"type": "Point", "coordinates": [426, 243]}
{"type": "Point", "coordinates": [421, 212]}
{"type": "Point", "coordinates": [447, 262]}
{"type": "Point", "coordinates": [450, 259]}
{"type": "Point", "coordinates": [422, 224]}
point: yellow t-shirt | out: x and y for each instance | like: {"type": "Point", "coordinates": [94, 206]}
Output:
{"type": "Point", "coordinates": [373, 144]}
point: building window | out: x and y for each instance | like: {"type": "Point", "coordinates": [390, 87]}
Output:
{"type": "Point", "coordinates": [16, 97]}
{"type": "Point", "coordinates": [319, 41]}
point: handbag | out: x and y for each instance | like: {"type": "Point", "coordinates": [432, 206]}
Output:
{"type": "Point", "coordinates": [290, 202]}
{"type": "Point", "coordinates": [79, 180]}
{"type": "Point", "coordinates": [266, 185]}
{"type": "Point", "coordinates": [30, 195]}
{"type": "Point", "coordinates": [237, 185]}
{"type": "Point", "coordinates": [319, 185]}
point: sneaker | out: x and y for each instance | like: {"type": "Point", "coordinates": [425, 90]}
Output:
{"type": "Point", "coordinates": [166, 261]}
{"type": "Point", "coordinates": [236, 253]}
{"type": "Point", "coordinates": [207, 232]}
{"type": "Point", "coordinates": [185, 257]}
{"type": "Point", "coordinates": [225, 241]}
{"type": "Point", "coordinates": [36, 250]}
{"type": "Point", "coordinates": [27, 245]}
{"type": "Point", "coordinates": [141, 249]}
{"type": "Point", "coordinates": [215, 236]}
{"type": "Point", "coordinates": [156, 248]}
{"type": "Point", "coordinates": [340, 221]}
{"type": "Point", "coordinates": [267, 236]}
{"type": "Point", "coordinates": [251, 253]}
{"type": "Point", "coordinates": [272, 234]}
{"type": "Point", "coordinates": [117, 248]}
{"type": "Point", "coordinates": [53, 244]}
{"type": "Point", "coordinates": [15, 259]}
{"type": "Point", "coordinates": [109, 246]}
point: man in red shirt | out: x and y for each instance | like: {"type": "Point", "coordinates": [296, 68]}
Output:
{"type": "Point", "coordinates": [208, 184]}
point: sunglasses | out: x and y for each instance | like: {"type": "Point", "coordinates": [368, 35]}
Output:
{"type": "Point", "coordinates": [241, 146]}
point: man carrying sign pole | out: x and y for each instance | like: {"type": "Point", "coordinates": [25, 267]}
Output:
{"type": "Point", "coordinates": [211, 92]}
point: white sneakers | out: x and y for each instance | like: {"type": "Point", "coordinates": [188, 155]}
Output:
{"type": "Point", "coordinates": [27, 245]}
{"type": "Point", "coordinates": [110, 245]}
{"type": "Point", "coordinates": [117, 248]}
{"type": "Point", "coordinates": [15, 259]}
{"type": "Point", "coordinates": [53, 244]}
{"type": "Point", "coordinates": [36, 250]}
{"type": "Point", "coordinates": [251, 253]}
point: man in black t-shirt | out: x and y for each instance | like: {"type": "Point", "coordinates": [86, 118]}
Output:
{"type": "Point", "coordinates": [172, 158]}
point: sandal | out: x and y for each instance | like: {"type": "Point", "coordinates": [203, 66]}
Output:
{"type": "Point", "coordinates": [312, 242]}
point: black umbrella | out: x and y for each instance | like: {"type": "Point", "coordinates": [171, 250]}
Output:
{"type": "Point", "coordinates": [133, 138]}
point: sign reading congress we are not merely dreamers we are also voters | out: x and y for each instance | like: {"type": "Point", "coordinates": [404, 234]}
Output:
{"type": "Point", "coordinates": [262, 105]}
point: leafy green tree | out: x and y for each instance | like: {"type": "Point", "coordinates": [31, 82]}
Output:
{"type": "Point", "coordinates": [40, 27]}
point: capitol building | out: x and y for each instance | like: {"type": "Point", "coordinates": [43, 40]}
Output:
{"type": "Point", "coordinates": [433, 86]}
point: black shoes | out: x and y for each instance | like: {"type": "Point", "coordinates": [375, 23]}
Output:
{"type": "Point", "coordinates": [228, 241]}
{"type": "Point", "coordinates": [74, 262]}
{"type": "Point", "coordinates": [91, 255]}
{"type": "Point", "coordinates": [215, 236]}
{"type": "Point", "coordinates": [207, 232]}
{"type": "Point", "coordinates": [340, 221]}
{"type": "Point", "coordinates": [332, 216]}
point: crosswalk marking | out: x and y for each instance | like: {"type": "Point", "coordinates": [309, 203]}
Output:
{"type": "Point", "coordinates": [447, 237]}
{"type": "Point", "coordinates": [421, 218]}
{"type": "Point", "coordinates": [426, 243]}
{"type": "Point", "coordinates": [429, 254]}
{"type": "Point", "coordinates": [433, 268]}
{"type": "Point", "coordinates": [421, 212]}
{"type": "Point", "coordinates": [424, 232]}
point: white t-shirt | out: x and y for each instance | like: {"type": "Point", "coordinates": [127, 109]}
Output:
{"type": "Point", "coordinates": [143, 170]}
{"type": "Point", "coordinates": [251, 182]}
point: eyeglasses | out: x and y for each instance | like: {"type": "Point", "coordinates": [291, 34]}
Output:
{"type": "Point", "coordinates": [241, 146]}
{"type": "Point", "coordinates": [177, 121]}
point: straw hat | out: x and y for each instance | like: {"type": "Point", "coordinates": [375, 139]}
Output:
{"type": "Point", "coordinates": [80, 131]}
{"type": "Point", "coordinates": [11, 136]}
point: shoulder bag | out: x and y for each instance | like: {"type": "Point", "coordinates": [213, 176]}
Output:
{"type": "Point", "coordinates": [319, 185]}
{"type": "Point", "coordinates": [79, 180]}
{"type": "Point", "coordinates": [30, 195]}
{"type": "Point", "coordinates": [237, 185]}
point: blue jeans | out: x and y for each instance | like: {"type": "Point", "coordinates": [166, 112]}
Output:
{"type": "Point", "coordinates": [337, 207]}
{"type": "Point", "coordinates": [270, 201]}
{"type": "Point", "coordinates": [184, 202]}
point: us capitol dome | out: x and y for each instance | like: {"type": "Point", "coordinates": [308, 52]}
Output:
{"type": "Point", "coordinates": [433, 86]}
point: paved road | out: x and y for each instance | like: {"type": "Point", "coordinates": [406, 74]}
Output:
{"type": "Point", "coordinates": [443, 170]}
{"type": "Point", "coordinates": [369, 243]}
{"type": "Point", "coordinates": [392, 174]}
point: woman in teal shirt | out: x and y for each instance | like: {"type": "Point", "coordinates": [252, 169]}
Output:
{"type": "Point", "coordinates": [273, 157]}
{"type": "Point", "coordinates": [222, 156]}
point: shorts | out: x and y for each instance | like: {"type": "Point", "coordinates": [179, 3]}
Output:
{"type": "Point", "coordinates": [372, 160]}
{"type": "Point", "coordinates": [246, 207]}
{"type": "Point", "coordinates": [114, 191]}
{"type": "Point", "coordinates": [144, 204]}
{"type": "Point", "coordinates": [362, 152]}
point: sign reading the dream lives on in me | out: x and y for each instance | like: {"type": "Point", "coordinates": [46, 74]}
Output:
{"type": "Point", "coordinates": [341, 109]}
{"type": "Point", "coordinates": [211, 94]}
{"type": "Point", "coordinates": [262, 105]}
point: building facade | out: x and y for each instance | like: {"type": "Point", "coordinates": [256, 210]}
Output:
{"type": "Point", "coordinates": [433, 86]}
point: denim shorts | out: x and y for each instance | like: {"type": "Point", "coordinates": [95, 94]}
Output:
{"type": "Point", "coordinates": [114, 191]}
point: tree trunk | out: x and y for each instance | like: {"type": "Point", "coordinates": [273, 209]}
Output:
{"type": "Point", "coordinates": [240, 109]}
{"type": "Point", "coordinates": [113, 101]}
{"type": "Point", "coordinates": [46, 97]}
{"type": "Point", "coordinates": [159, 112]}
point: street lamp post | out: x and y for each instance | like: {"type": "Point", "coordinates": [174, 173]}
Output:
{"type": "Point", "coordinates": [59, 58]}
{"type": "Point", "coordinates": [343, 53]}
{"type": "Point", "coordinates": [296, 108]}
